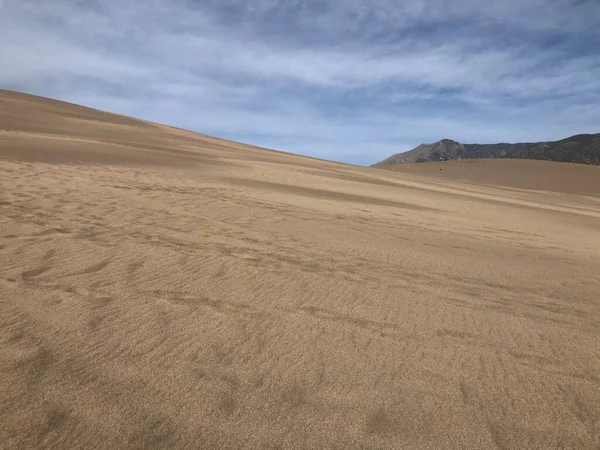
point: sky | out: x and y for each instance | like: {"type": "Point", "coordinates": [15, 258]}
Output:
{"type": "Point", "coordinates": [345, 80]}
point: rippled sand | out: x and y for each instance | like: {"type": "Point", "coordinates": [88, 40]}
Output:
{"type": "Point", "coordinates": [163, 289]}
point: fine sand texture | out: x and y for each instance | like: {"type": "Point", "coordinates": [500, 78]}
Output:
{"type": "Point", "coordinates": [164, 289]}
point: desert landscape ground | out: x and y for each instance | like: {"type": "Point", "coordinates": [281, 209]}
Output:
{"type": "Point", "coordinates": [163, 289]}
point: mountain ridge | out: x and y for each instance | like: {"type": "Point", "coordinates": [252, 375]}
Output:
{"type": "Point", "coordinates": [580, 148]}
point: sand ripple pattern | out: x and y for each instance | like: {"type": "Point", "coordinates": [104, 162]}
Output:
{"type": "Point", "coordinates": [160, 289]}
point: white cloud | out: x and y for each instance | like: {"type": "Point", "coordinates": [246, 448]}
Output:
{"type": "Point", "coordinates": [342, 81]}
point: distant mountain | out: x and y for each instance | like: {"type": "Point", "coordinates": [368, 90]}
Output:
{"type": "Point", "coordinates": [583, 149]}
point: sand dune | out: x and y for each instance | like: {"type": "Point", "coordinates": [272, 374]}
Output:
{"type": "Point", "coordinates": [533, 175]}
{"type": "Point", "coordinates": [162, 289]}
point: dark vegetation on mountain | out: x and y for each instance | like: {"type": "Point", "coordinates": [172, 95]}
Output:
{"type": "Point", "coordinates": [582, 148]}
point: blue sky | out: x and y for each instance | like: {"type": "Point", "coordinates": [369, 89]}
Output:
{"type": "Point", "coordinates": [352, 81]}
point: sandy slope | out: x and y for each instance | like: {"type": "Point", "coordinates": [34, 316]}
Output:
{"type": "Point", "coordinates": [160, 289]}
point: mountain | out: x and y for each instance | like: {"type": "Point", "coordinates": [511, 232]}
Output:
{"type": "Point", "coordinates": [582, 148]}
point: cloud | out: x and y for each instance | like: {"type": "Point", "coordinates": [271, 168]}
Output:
{"type": "Point", "coordinates": [338, 80]}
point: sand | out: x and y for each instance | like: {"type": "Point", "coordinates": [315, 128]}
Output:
{"type": "Point", "coordinates": [163, 289]}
